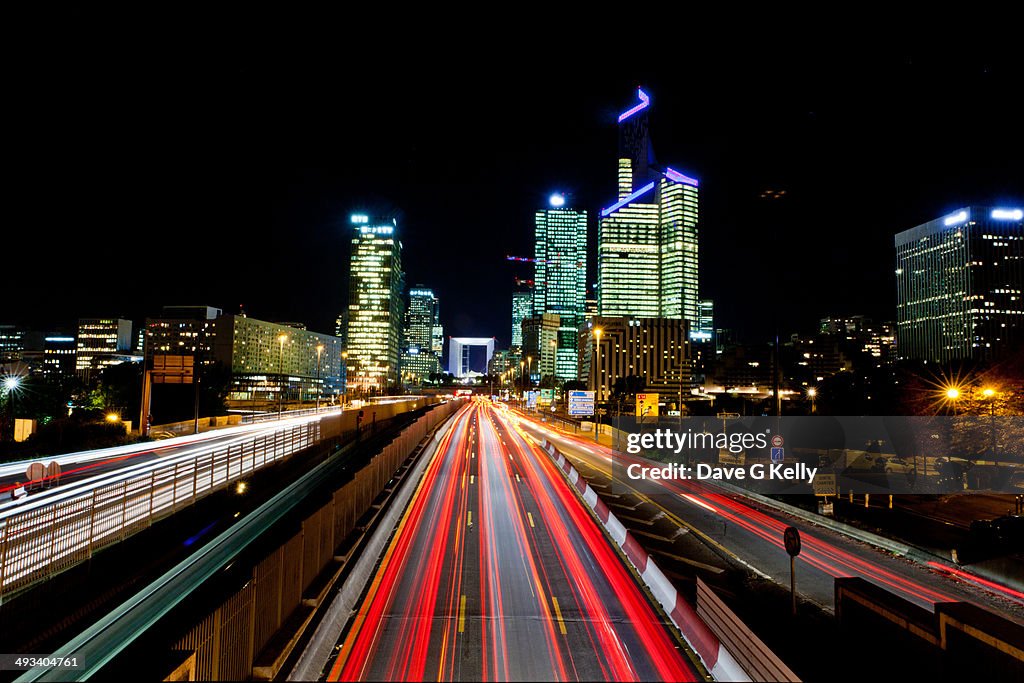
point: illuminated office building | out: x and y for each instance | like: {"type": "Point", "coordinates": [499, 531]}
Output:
{"type": "Point", "coordinates": [422, 326]}
{"type": "Point", "coordinates": [182, 331]}
{"type": "Point", "coordinates": [375, 307]}
{"type": "Point", "coordinates": [540, 345]}
{"type": "Point", "coordinates": [272, 362]}
{"type": "Point", "coordinates": [959, 282]}
{"type": "Point", "coordinates": [12, 343]}
{"type": "Point", "coordinates": [647, 240]}
{"type": "Point", "coordinates": [656, 349]}
{"type": "Point", "coordinates": [560, 280]}
{"type": "Point", "coordinates": [102, 342]}
{"type": "Point", "coordinates": [522, 308]}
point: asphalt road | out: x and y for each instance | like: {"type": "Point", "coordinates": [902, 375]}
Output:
{"type": "Point", "coordinates": [497, 571]}
{"type": "Point", "coordinates": [752, 536]}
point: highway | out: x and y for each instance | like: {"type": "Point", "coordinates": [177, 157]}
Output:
{"type": "Point", "coordinates": [752, 536]}
{"type": "Point", "coordinates": [88, 465]}
{"type": "Point", "coordinates": [497, 571]}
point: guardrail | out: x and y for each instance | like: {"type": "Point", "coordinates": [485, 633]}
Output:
{"type": "Point", "coordinates": [37, 543]}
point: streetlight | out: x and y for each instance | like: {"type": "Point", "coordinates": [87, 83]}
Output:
{"type": "Point", "coordinates": [529, 370]}
{"type": "Point", "coordinates": [282, 338]}
{"type": "Point", "coordinates": [344, 362]}
{"type": "Point", "coordinates": [990, 394]}
{"type": "Point", "coordinates": [319, 350]}
{"type": "Point", "coordinates": [11, 384]}
{"type": "Point", "coordinates": [812, 394]}
{"type": "Point", "coordinates": [597, 383]}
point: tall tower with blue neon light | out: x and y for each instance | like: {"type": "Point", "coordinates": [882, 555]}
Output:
{"type": "Point", "coordinates": [648, 258]}
{"type": "Point", "coordinates": [960, 286]}
{"type": "Point", "coordinates": [560, 280]}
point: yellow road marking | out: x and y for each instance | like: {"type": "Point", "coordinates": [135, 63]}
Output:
{"type": "Point", "coordinates": [462, 614]}
{"type": "Point", "coordinates": [530, 516]}
{"type": "Point", "coordinates": [469, 518]}
{"type": "Point", "coordinates": [558, 615]}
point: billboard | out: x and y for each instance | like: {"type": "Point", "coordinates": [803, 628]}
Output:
{"type": "Point", "coordinates": [531, 399]}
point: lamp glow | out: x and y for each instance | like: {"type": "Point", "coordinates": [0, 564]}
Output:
{"type": "Point", "coordinates": [11, 383]}
{"type": "Point", "coordinates": [952, 393]}
{"type": "Point", "coordinates": [556, 200]}
{"type": "Point", "coordinates": [113, 417]}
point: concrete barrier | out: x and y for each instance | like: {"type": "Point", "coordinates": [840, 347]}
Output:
{"type": "Point", "coordinates": [716, 658]}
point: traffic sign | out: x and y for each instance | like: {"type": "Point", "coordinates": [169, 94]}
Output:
{"type": "Point", "coordinates": [778, 454]}
{"type": "Point", "coordinates": [581, 403]}
{"type": "Point", "coordinates": [824, 485]}
{"type": "Point", "coordinates": [791, 536]}
{"type": "Point", "coordinates": [647, 405]}
{"type": "Point", "coordinates": [777, 441]}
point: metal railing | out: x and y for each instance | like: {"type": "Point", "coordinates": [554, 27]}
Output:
{"type": "Point", "coordinates": [39, 542]}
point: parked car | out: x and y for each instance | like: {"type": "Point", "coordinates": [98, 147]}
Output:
{"type": "Point", "coordinates": [898, 464]}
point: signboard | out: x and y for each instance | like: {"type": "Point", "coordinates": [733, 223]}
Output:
{"type": "Point", "coordinates": [778, 454]}
{"type": "Point", "coordinates": [581, 403]}
{"type": "Point", "coordinates": [824, 485]}
{"type": "Point", "coordinates": [546, 397]}
{"type": "Point", "coordinates": [531, 399]}
{"type": "Point", "coordinates": [791, 536]}
{"type": "Point", "coordinates": [171, 369]}
{"type": "Point", "coordinates": [647, 405]}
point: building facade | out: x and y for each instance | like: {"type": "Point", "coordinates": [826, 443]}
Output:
{"type": "Point", "coordinates": [959, 282]}
{"type": "Point", "coordinates": [422, 327]}
{"type": "Point", "coordinates": [656, 349]}
{"type": "Point", "coordinates": [560, 279]}
{"type": "Point", "coordinates": [375, 306]}
{"type": "Point", "coordinates": [522, 308]}
{"type": "Point", "coordinates": [647, 250]}
{"type": "Point", "coordinates": [100, 343]}
{"type": "Point", "coordinates": [540, 345]}
{"type": "Point", "coordinates": [274, 362]}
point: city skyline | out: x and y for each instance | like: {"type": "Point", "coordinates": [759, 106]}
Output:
{"type": "Point", "coordinates": [841, 160]}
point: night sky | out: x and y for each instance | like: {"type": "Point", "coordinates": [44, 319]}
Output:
{"type": "Point", "coordinates": [190, 170]}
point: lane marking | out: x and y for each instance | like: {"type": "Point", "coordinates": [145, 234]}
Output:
{"type": "Point", "coordinates": [517, 477]}
{"type": "Point", "coordinates": [462, 614]}
{"type": "Point", "coordinates": [530, 517]}
{"type": "Point", "coordinates": [471, 478]}
{"type": "Point", "coordinates": [469, 518]}
{"type": "Point", "coordinates": [558, 615]}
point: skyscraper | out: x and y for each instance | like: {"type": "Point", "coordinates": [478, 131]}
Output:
{"type": "Point", "coordinates": [647, 248]}
{"type": "Point", "coordinates": [375, 307]}
{"type": "Point", "coordinates": [422, 325]}
{"type": "Point", "coordinates": [102, 342]}
{"type": "Point", "coordinates": [560, 281]}
{"type": "Point", "coordinates": [522, 307]}
{"type": "Point", "coordinates": [959, 282]}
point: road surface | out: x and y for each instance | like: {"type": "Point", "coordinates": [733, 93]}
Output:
{"type": "Point", "coordinates": [497, 571]}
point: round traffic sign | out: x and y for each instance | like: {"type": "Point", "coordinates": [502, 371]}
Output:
{"type": "Point", "coordinates": [791, 536]}
{"type": "Point", "coordinates": [777, 441]}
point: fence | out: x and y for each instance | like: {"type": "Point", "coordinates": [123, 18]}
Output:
{"type": "Point", "coordinates": [228, 641]}
{"type": "Point", "coordinates": [37, 543]}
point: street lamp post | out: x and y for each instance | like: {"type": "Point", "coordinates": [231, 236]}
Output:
{"type": "Point", "coordinates": [597, 383]}
{"type": "Point", "coordinates": [812, 394]}
{"type": "Point", "coordinates": [280, 374]}
{"type": "Point", "coordinates": [990, 394]}
{"type": "Point", "coordinates": [344, 363]}
{"type": "Point", "coordinates": [319, 350]}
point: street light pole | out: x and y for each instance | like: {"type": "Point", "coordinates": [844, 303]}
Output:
{"type": "Point", "coordinates": [319, 350]}
{"type": "Point", "coordinates": [280, 374]}
{"type": "Point", "coordinates": [344, 363]}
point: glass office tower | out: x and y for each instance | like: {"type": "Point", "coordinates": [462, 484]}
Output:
{"type": "Point", "coordinates": [959, 280]}
{"type": "Point", "coordinates": [375, 307]}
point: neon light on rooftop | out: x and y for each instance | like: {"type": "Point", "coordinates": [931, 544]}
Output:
{"type": "Point", "coordinates": [633, 197]}
{"type": "Point", "coordinates": [955, 218]}
{"type": "Point", "coordinates": [1008, 214]}
{"type": "Point", "coordinates": [645, 100]}
{"type": "Point", "coordinates": [678, 177]}
{"type": "Point", "coordinates": [359, 218]}
{"type": "Point", "coordinates": [556, 200]}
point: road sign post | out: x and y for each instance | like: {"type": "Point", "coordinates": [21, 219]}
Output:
{"type": "Point", "coordinates": [791, 537]}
